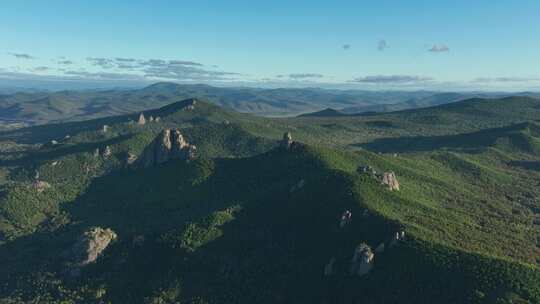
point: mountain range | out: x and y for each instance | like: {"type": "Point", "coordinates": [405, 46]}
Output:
{"type": "Point", "coordinates": [33, 107]}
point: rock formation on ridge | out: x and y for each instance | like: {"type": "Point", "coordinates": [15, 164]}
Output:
{"type": "Point", "coordinates": [389, 179]}
{"type": "Point", "coordinates": [286, 141]}
{"type": "Point", "coordinates": [90, 246]}
{"type": "Point", "coordinates": [168, 145]}
{"type": "Point", "coordinates": [141, 120]}
{"type": "Point", "coordinates": [362, 260]}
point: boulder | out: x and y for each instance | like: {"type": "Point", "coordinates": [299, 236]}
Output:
{"type": "Point", "coordinates": [141, 121]}
{"type": "Point", "coordinates": [362, 260]}
{"type": "Point", "coordinates": [168, 145]}
{"type": "Point", "coordinates": [389, 179]}
{"type": "Point", "coordinates": [91, 245]}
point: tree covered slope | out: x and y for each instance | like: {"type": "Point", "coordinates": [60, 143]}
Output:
{"type": "Point", "coordinates": [254, 220]}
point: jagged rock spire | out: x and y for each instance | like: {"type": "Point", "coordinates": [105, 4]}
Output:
{"type": "Point", "coordinates": [141, 120]}
{"type": "Point", "coordinates": [169, 144]}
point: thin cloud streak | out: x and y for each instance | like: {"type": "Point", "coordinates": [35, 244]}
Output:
{"type": "Point", "coordinates": [382, 45]}
{"type": "Point", "coordinates": [22, 56]}
{"type": "Point", "coordinates": [389, 79]}
{"type": "Point", "coordinates": [439, 48]}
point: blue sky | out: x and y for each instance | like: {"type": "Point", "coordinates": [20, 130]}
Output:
{"type": "Point", "coordinates": [413, 44]}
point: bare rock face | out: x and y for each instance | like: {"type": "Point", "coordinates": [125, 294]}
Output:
{"type": "Point", "coordinates": [90, 245]}
{"type": "Point", "coordinates": [389, 179]}
{"type": "Point", "coordinates": [362, 260]}
{"type": "Point", "coordinates": [287, 141]}
{"type": "Point", "coordinates": [141, 121]}
{"type": "Point", "coordinates": [168, 145]}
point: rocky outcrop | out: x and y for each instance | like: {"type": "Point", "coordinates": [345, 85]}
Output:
{"type": "Point", "coordinates": [141, 121]}
{"type": "Point", "coordinates": [362, 260]}
{"type": "Point", "coordinates": [168, 145]}
{"type": "Point", "coordinates": [286, 142]}
{"type": "Point", "coordinates": [190, 106]}
{"type": "Point", "coordinates": [40, 186]}
{"type": "Point", "coordinates": [107, 152]}
{"type": "Point", "coordinates": [346, 218]}
{"type": "Point", "coordinates": [130, 158]}
{"type": "Point", "coordinates": [389, 179]}
{"type": "Point", "coordinates": [398, 236]}
{"type": "Point", "coordinates": [90, 246]}
{"type": "Point", "coordinates": [366, 170]}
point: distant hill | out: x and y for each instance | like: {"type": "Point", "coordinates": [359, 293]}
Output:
{"type": "Point", "coordinates": [31, 107]}
{"type": "Point", "coordinates": [324, 113]}
{"type": "Point", "coordinates": [419, 102]}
